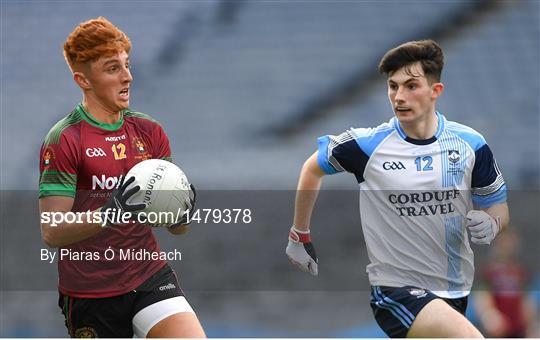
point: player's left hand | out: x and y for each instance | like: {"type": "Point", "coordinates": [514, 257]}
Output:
{"type": "Point", "coordinates": [483, 227]}
{"type": "Point", "coordinates": [117, 203]}
{"type": "Point", "coordinates": [184, 221]}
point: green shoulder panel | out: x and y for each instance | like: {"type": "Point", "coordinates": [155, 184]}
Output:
{"type": "Point", "coordinates": [135, 114]}
{"type": "Point", "coordinates": [56, 131]}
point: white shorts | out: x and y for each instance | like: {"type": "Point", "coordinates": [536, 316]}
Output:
{"type": "Point", "coordinates": [149, 316]}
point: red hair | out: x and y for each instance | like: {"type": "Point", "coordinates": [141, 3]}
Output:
{"type": "Point", "coordinates": [93, 39]}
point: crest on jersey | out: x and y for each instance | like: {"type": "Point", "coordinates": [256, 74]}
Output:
{"type": "Point", "coordinates": [48, 156]}
{"type": "Point", "coordinates": [86, 332]}
{"type": "Point", "coordinates": [453, 156]}
{"type": "Point", "coordinates": [141, 148]}
{"type": "Point", "coordinates": [139, 145]}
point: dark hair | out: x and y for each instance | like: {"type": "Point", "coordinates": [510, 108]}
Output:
{"type": "Point", "coordinates": [427, 52]}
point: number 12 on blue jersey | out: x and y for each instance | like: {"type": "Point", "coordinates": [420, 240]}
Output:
{"type": "Point", "coordinates": [427, 160]}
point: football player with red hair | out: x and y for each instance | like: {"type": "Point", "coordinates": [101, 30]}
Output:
{"type": "Point", "coordinates": [84, 159]}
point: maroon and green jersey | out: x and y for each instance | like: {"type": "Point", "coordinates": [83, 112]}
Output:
{"type": "Point", "coordinates": [85, 159]}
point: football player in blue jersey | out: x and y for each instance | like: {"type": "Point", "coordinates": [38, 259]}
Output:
{"type": "Point", "coordinates": [426, 184]}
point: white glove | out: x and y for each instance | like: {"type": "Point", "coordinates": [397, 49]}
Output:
{"type": "Point", "coordinates": [301, 251]}
{"type": "Point", "coordinates": [483, 227]}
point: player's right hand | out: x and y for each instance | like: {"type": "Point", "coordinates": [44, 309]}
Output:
{"type": "Point", "coordinates": [301, 251]}
{"type": "Point", "coordinates": [482, 226]}
{"type": "Point", "coordinates": [117, 203]}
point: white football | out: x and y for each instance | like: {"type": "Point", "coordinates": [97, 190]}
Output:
{"type": "Point", "coordinates": [164, 189]}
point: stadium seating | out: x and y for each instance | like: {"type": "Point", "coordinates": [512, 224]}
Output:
{"type": "Point", "coordinates": [491, 82]}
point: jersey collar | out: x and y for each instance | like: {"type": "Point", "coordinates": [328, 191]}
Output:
{"type": "Point", "coordinates": [87, 116]}
{"type": "Point", "coordinates": [403, 135]}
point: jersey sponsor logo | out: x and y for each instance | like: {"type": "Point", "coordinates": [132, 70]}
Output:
{"type": "Point", "coordinates": [95, 152]}
{"type": "Point", "coordinates": [105, 183]}
{"type": "Point", "coordinates": [167, 287]}
{"type": "Point", "coordinates": [453, 156]}
{"type": "Point", "coordinates": [393, 166]}
{"type": "Point", "coordinates": [115, 138]}
{"type": "Point", "coordinates": [48, 156]}
{"type": "Point", "coordinates": [425, 203]}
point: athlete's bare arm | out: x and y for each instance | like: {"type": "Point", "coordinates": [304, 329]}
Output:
{"type": "Point", "coordinates": [500, 210]}
{"type": "Point", "coordinates": [64, 233]}
{"type": "Point", "coordinates": [307, 192]}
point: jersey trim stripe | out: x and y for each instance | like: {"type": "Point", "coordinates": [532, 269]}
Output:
{"type": "Point", "coordinates": [493, 187]}
{"type": "Point", "coordinates": [58, 177]}
{"type": "Point", "coordinates": [397, 309]}
{"type": "Point", "coordinates": [49, 189]}
{"type": "Point", "coordinates": [452, 172]}
{"type": "Point", "coordinates": [46, 193]}
{"type": "Point", "coordinates": [135, 114]}
{"type": "Point", "coordinates": [322, 158]}
{"type": "Point", "coordinates": [93, 121]}
{"type": "Point", "coordinates": [441, 123]}
{"type": "Point", "coordinates": [371, 141]}
{"type": "Point", "coordinates": [397, 304]}
{"type": "Point", "coordinates": [53, 137]}
{"type": "Point", "coordinates": [440, 126]}
{"type": "Point", "coordinates": [57, 183]}
{"type": "Point", "coordinates": [334, 142]}
{"type": "Point", "coordinates": [454, 239]}
{"type": "Point", "coordinates": [469, 135]}
{"type": "Point", "coordinates": [397, 127]}
{"type": "Point", "coordinates": [489, 200]}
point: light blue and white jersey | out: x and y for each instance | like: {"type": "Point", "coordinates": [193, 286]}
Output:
{"type": "Point", "coordinates": [414, 196]}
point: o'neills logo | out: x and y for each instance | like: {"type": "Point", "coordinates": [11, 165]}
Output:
{"type": "Point", "coordinates": [167, 287]}
{"type": "Point", "coordinates": [151, 184]}
{"type": "Point", "coordinates": [425, 203]}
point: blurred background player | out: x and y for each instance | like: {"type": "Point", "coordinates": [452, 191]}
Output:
{"type": "Point", "coordinates": [84, 156]}
{"type": "Point", "coordinates": [505, 308]}
{"type": "Point", "coordinates": [424, 181]}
